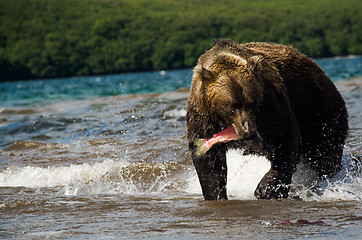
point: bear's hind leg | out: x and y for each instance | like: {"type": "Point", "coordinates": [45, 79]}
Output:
{"type": "Point", "coordinates": [323, 147]}
{"type": "Point", "coordinates": [326, 159]}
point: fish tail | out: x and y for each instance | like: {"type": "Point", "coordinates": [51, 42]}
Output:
{"type": "Point", "coordinates": [201, 147]}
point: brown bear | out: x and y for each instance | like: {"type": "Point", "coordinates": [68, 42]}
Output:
{"type": "Point", "coordinates": [281, 105]}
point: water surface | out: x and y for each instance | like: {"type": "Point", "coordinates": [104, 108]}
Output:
{"type": "Point", "coordinates": [106, 157]}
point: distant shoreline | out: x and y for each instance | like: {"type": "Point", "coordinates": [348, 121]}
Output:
{"type": "Point", "coordinates": [48, 39]}
{"type": "Point", "coordinates": [161, 71]}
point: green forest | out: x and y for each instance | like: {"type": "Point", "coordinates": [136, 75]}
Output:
{"type": "Point", "coordinates": [61, 38]}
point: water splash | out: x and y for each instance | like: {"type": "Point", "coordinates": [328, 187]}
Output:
{"type": "Point", "coordinates": [344, 186]}
{"type": "Point", "coordinates": [246, 171]}
{"type": "Point", "coordinates": [125, 177]}
{"type": "Point", "coordinates": [101, 177]}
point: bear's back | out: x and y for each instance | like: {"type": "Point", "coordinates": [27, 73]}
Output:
{"type": "Point", "coordinates": [302, 77]}
{"type": "Point", "coordinates": [313, 97]}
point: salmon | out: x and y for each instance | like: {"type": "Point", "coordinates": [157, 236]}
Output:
{"type": "Point", "coordinates": [203, 145]}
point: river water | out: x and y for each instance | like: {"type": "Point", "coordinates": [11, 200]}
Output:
{"type": "Point", "coordinates": [105, 157]}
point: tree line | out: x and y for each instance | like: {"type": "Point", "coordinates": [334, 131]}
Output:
{"type": "Point", "coordinates": [61, 38]}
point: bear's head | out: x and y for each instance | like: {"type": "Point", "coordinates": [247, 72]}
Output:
{"type": "Point", "coordinates": [226, 88]}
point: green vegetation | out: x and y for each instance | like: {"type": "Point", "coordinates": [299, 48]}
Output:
{"type": "Point", "coordinates": [59, 38]}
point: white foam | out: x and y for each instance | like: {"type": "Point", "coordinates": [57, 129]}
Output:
{"type": "Point", "coordinates": [124, 177]}
{"type": "Point", "coordinates": [108, 177]}
{"type": "Point", "coordinates": [244, 173]}
{"type": "Point", "coordinates": [192, 182]}
{"type": "Point", "coordinates": [36, 177]}
{"type": "Point", "coordinates": [175, 113]}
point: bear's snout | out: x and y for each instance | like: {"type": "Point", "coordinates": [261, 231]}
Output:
{"type": "Point", "coordinates": [250, 135]}
{"type": "Point", "coordinates": [250, 131]}
{"type": "Point", "coordinates": [245, 126]}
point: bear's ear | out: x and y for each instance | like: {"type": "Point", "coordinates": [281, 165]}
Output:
{"type": "Point", "coordinates": [253, 62]}
{"type": "Point", "coordinates": [205, 74]}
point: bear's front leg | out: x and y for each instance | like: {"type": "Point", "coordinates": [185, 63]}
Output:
{"type": "Point", "coordinates": [274, 185]}
{"type": "Point", "coordinates": [211, 170]}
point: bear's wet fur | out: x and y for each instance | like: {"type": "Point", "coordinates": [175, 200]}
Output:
{"type": "Point", "coordinates": [281, 104]}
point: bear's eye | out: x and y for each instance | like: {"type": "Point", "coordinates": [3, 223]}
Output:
{"type": "Point", "coordinates": [252, 105]}
{"type": "Point", "coordinates": [236, 106]}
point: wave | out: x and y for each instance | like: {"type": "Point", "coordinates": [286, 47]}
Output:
{"type": "Point", "coordinates": [100, 177]}
{"type": "Point", "coordinates": [124, 177]}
